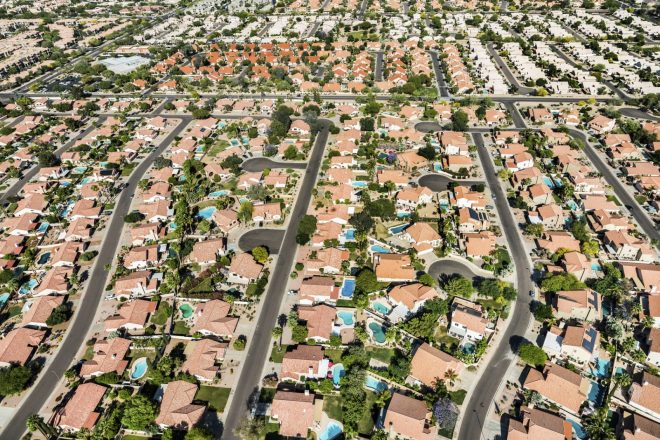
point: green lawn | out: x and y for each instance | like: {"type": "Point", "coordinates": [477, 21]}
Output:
{"type": "Point", "coordinates": [381, 354]}
{"type": "Point", "coordinates": [332, 406]}
{"type": "Point", "coordinates": [277, 353]}
{"type": "Point", "coordinates": [215, 396]}
{"type": "Point", "coordinates": [334, 354]}
{"type": "Point", "coordinates": [180, 328]}
{"type": "Point", "coordinates": [164, 311]}
{"type": "Point", "coordinates": [266, 395]}
{"type": "Point", "coordinates": [134, 437]}
{"type": "Point", "coordinates": [457, 396]}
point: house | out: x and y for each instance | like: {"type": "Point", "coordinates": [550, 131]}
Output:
{"type": "Point", "coordinates": [37, 311]}
{"type": "Point", "coordinates": [429, 365]}
{"type": "Point", "coordinates": [559, 385]}
{"type": "Point", "coordinates": [653, 343]}
{"type": "Point", "coordinates": [211, 318]}
{"type": "Point", "coordinates": [142, 257]}
{"type": "Point", "coordinates": [132, 316]}
{"type": "Point", "coordinates": [294, 412]}
{"type": "Point", "coordinates": [422, 236]}
{"type": "Point", "coordinates": [136, 284]}
{"type": "Point", "coordinates": [464, 197]}
{"type": "Point", "coordinates": [201, 359]}
{"type": "Point", "coordinates": [145, 233]}
{"type": "Point", "coordinates": [643, 395]}
{"type": "Point", "coordinates": [584, 305]}
{"type": "Point", "coordinates": [243, 269]}
{"type": "Point", "coordinates": [479, 244]}
{"type": "Point", "coordinates": [225, 220]}
{"type": "Point", "coordinates": [267, 212]}
{"type": "Point", "coordinates": [55, 282]}
{"type": "Point", "coordinates": [18, 346]}
{"type": "Point", "coordinates": [176, 407]}
{"type": "Point", "coordinates": [304, 362]}
{"type": "Point", "coordinates": [317, 289]}
{"type": "Point", "coordinates": [410, 198]}
{"type": "Point", "coordinates": [411, 296]}
{"type": "Point", "coordinates": [540, 115]}
{"type": "Point", "coordinates": [319, 319]}
{"type": "Point", "coordinates": [207, 252]}
{"type": "Point", "coordinates": [410, 161]}
{"type": "Point", "coordinates": [80, 412]}
{"type": "Point", "coordinates": [468, 321]}
{"type": "Point", "coordinates": [636, 427]}
{"type": "Point", "coordinates": [323, 261]}
{"type": "Point", "coordinates": [108, 357]}
{"type": "Point", "coordinates": [551, 216]}
{"type": "Point", "coordinates": [408, 418]}
{"type": "Point", "coordinates": [552, 241]}
{"type": "Point", "coordinates": [624, 246]}
{"type": "Point", "coordinates": [393, 268]}
{"type": "Point", "coordinates": [470, 220]}
{"type": "Point", "coordinates": [300, 128]}
{"type": "Point", "coordinates": [601, 124]}
{"type": "Point", "coordinates": [577, 343]}
{"type": "Point", "coordinates": [537, 424]}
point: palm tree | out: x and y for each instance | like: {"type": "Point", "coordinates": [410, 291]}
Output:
{"type": "Point", "coordinates": [251, 428]}
{"type": "Point", "coordinates": [451, 376]}
{"type": "Point", "coordinates": [597, 426]}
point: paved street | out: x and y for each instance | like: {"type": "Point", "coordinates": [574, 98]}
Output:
{"type": "Point", "coordinates": [523, 90]}
{"type": "Point", "coordinates": [271, 238]}
{"type": "Point", "coordinates": [440, 182]}
{"type": "Point", "coordinates": [83, 317]}
{"type": "Point", "coordinates": [478, 405]}
{"type": "Point", "coordinates": [259, 346]}
{"type": "Point", "coordinates": [443, 90]}
{"type": "Point", "coordinates": [261, 163]}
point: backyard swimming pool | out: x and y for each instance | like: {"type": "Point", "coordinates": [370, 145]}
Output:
{"type": "Point", "coordinates": [331, 431]}
{"type": "Point", "coordinates": [346, 317]}
{"type": "Point", "coordinates": [206, 213]}
{"type": "Point", "coordinates": [374, 384]}
{"type": "Point", "coordinates": [360, 184]}
{"type": "Point", "coordinates": [349, 234]}
{"type": "Point", "coordinates": [398, 229]}
{"type": "Point", "coordinates": [27, 287]}
{"type": "Point", "coordinates": [186, 310]}
{"type": "Point", "coordinates": [597, 394]}
{"type": "Point", "coordinates": [376, 248]}
{"type": "Point", "coordinates": [381, 307]}
{"type": "Point", "coordinates": [220, 193]}
{"type": "Point", "coordinates": [3, 299]}
{"type": "Point", "coordinates": [348, 287]}
{"type": "Point", "coordinates": [139, 368]}
{"type": "Point", "coordinates": [377, 332]}
{"type": "Point", "coordinates": [602, 368]}
{"type": "Point", "coordinates": [338, 371]}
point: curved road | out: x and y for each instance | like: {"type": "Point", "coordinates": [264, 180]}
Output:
{"type": "Point", "coordinates": [259, 346]}
{"type": "Point", "coordinates": [439, 182]}
{"type": "Point", "coordinates": [451, 267]}
{"type": "Point", "coordinates": [270, 238]}
{"type": "Point", "coordinates": [83, 317]}
{"type": "Point", "coordinates": [484, 392]}
{"type": "Point", "coordinates": [261, 163]}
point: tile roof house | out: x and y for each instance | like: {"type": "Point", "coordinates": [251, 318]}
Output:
{"type": "Point", "coordinates": [559, 385]}
{"type": "Point", "coordinates": [56, 281]}
{"type": "Point", "coordinates": [537, 424]}
{"type": "Point", "coordinates": [206, 252]}
{"type": "Point", "coordinates": [294, 412]}
{"type": "Point", "coordinates": [108, 356]}
{"type": "Point", "coordinates": [408, 418]}
{"type": "Point", "coordinates": [412, 296]}
{"type": "Point", "coordinates": [643, 395]}
{"type": "Point", "coordinates": [37, 311]}
{"type": "Point", "coordinates": [304, 362]}
{"type": "Point", "coordinates": [132, 316]}
{"type": "Point", "coordinates": [318, 289]}
{"type": "Point", "coordinates": [637, 427]}
{"type": "Point", "coordinates": [468, 320]}
{"type": "Point", "coordinates": [393, 268]}
{"type": "Point", "coordinates": [580, 344]}
{"type": "Point", "coordinates": [479, 244]}
{"type": "Point", "coordinates": [430, 364]}
{"type": "Point", "coordinates": [80, 410]}
{"type": "Point", "coordinates": [577, 264]}
{"type": "Point", "coordinates": [201, 358]}
{"type": "Point", "coordinates": [243, 269]}
{"type": "Point", "coordinates": [319, 320]}
{"type": "Point", "coordinates": [136, 284]}
{"type": "Point", "coordinates": [423, 237]}
{"type": "Point", "coordinates": [176, 407]}
{"type": "Point", "coordinates": [18, 346]}
{"type": "Point", "coordinates": [211, 318]}
{"type": "Point", "coordinates": [584, 304]}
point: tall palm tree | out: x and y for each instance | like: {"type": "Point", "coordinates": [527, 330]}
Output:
{"type": "Point", "coordinates": [597, 426]}
{"type": "Point", "coordinates": [451, 376]}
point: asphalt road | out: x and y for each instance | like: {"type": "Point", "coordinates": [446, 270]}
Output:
{"type": "Point", "coordinates": [443, 90]}
{"type": "Point", "coordinates": [517, 118]}
{"type": "Point", "coordinates": [83, 316]}
{"type": "Point", "coordinates": [523, 90]}
{"type": "Point", "coordinates": [378, 71]}
{"type": "Point", "coordinates": [619, 189]}
{"type": "Point", "coordinates": [451, 267]}
{"type": "Point", "coordinates": [271, 238]}
{"type": "Point", "coordinates": [439, 182]}
{"type": "Point", "coordinates": [31, 172]}
{"type": "Point", "coordinates": [259, 348]}
{"type": "Point", "coordinates": [483, 394]}
{"type": "Point", "coordinates": [261, 163]}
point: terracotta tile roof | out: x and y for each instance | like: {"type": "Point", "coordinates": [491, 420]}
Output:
{"type": "Point", "coordinates": [645, 393]}
{"type": "Point", "coordinates": [303, 360]}
{"type": "Point", "coordinates": [212, 317]}
{"type": "Point", "coordinates": [319, 318]}
{"type": "Point", "coordinates": [430, 364]}
{"type": "Point", "coordinates": [19, 344]}
{"type": "Point", "coordinates": [131, 314]}
{"type": "Point", "coordinates": [79, 412]}
{"type": "Point", "coordinates": [294, 411]}
{"type": "Point", "coordinates": [559, 385]}
{"type": "Point", "coordinates": [201, 360]}
{"type": "Point", "coordinates": [41, 309]}
{"type": "Point", "coordinates": [410, 294]}
{"type": "Point", "coordinates": [408, 417]}
{"type": "Point", "coordinates": [176, 408]}
{"type": "Point", "coordinates": [108, 356]}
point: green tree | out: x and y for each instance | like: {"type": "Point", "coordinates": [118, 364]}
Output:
{"type": "Point", "coordinates": [251, 428]}
{"type": "Point", "coordinates": [460, 121]}
{"type": "Point", "coordinates": [59, 315]}
{"type": "Point", "coordinates": [532, 354]}
{"type": "Point", "coordinates": [198, 433]}
{"type": "Point", "coordinates": [459, 286]}
{"type": "Point", "coordinates": [260, 254]}
{"type": "Point", "coordinates": [366, 281]}
{"type": "Point", "coordinates": [306, 229]}
{"type": "Point", "coordinates": [597, 425]}
{"type": "Point", "coordinates": [299, 333]}
{"type": "Point", "coordinates": [139, 413]}
{"type": "Point", "coordinates": [14, 379]}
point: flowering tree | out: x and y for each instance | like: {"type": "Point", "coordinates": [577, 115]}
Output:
{"type": "Point", "coordinates": [445, 412]}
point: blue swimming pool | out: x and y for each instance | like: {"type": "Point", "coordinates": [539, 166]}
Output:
{"type": "Point", "coordinates": [3, 299]}
{"type": "Point", "coordinates": [596, 267]}
{"type": "Point", "coordinates": [360, 184]}
{"type": "Point", "coordinates": [602, 368]}
{"type": "Point", "coordinates": [139, 368]}
{"type": "Point", "coordinates": [437, 167]}
{"type": "Point", "coordinates": [44, 258]}
{"type": "Point", "coordinates": [331, 431]}
{"type": "Point", "coordinates": [350, 234]}
{"type": "Point", "coordinates": [27, 287]}
{"type": "Point", "coordinates": [398, 229]}
{"type": "Point", "coordinates": [579, 430]}
{"type": "Point", "coordinates": [348, 287]}
{"type": "Point", "coordinates": [468, 348]}
{"type": "Point", "coordinates": [207, 212]}
{"type": "Point", "coordinates": [43, 227]}
{"type": "Point", "coordinates": [402, 214]}
{"type": "Point", "coordinates": [220, 193]}
{"type": "Point", "coordinates": [597, 394]}
{"type": "Point", "coordinates": [374, 384]}
{"type": "Point", "coordinates": [571, 204]}
{"type": "Point", "coordinates": [379, 249]}
{"type": "Point", "coordinates": [377, 332]}
{"type": "Point", "coordinates": [338, 371]}
{"type": "Point", "coordinates": [346, 317]}
{"type": "Point", "coordinates": [381, 307]}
